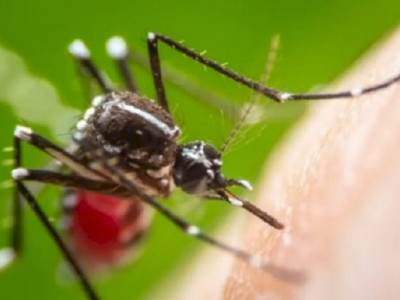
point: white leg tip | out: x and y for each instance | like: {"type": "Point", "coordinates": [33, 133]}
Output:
{"type": "Point", "coordinates": [23, 133]}
{"type": "Point", "coordinates": [151, 36]}
{"type": "Point", "coordinates": [193, 230]}
{"type": "Point", "coordinates": [78, 49]}
{"type": "Point", "coordinates": [117, 48]}
{"type": "Point", "coordinates": [19, 173]}
{"type": "Point", "coordinates": [7, 256]}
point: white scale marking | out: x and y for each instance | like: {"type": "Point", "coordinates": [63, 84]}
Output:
{"type": "Point", "coordinates": [164, 182]}
{"type": "Point", "coordinates": [19, 173]}
{"type": "Point", "coordinates": [97, 100]}
{"type": "Point", "coordinates": [89, 113]}
{"type": "Point", "coordinates": [23, 133]}
{"type": "Point", "coordinates": [193, 230]}
{"type": "Point", "coordinates": [78, 136]}
{"type": "Point", "coordinates": [356, 92]}
{"type": "Point", "coordinates": [285, 96]}
{"type": "Point", "coordinates": [245, 184]}
{"type": "Point", "coordinates": [210, 173]}
{"type": "Point", "coordinates": [7, 255]}
{"type": "Point", "coordinates": [145, 115]}
{"type": "Point", "coordinates": [151, 36]}
{"type": "Point", "coordinates": [235, 202]}
{"type": "Point", "coordinates": [217, 162]}
{"type": "Point", "coordinates": [81, 125]}
{"type": "Point", "coordinates": [112, 149]}
{"type": "Point", "coordinates": [78, 49]}
{"type": "Point", "coordinates": [197, 154]}
{"type": "Point", "coordinates": [116, 47]}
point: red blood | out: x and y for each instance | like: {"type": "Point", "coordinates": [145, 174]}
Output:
{"type": "Point", "coordinates": [102, 228]}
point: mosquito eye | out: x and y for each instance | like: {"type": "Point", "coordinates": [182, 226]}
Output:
{"type": "Point", "coordinates": [211, 152]}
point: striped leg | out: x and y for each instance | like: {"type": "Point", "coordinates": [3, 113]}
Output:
{"type": "Point", "coordinates": [119, 52]}
{"type": "Point", "coordinates": [8, 255]}
{"type": "Point", "coordinates": [274, 94]}
{"type": "Point", "coordinates": [82, 55]}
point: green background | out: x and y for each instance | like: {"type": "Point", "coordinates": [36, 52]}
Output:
{"type": "Point", "coordinates": [320, 39]}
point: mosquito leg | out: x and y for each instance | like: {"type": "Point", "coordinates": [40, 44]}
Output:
{"type": "Point", "coordinates": [192, 87]}
{"type": "Point", "coordinates": [274, 94]}
{"type": "Point", "coordinates": [9, 254]}
{"type": "Point", "coordinates": [72, 181]}
{"type": "Point", "coordinates": [87, 85]}
{"type": "Point", "coordinates": [246, 205]}
{"type": "Point", "coordinates": [255, 97]}
{"type": "Point", "coordinates": [83, 278]}
{"type": "Point", "coordinates": [119, 52]}
{"type": "Point", "coordinates": [16, 239]}
{"type": "Point", "coordinates": [156, 70]}
{"type": "Point", "coordinates": [27, 135]}
{"type": "Point", "coordinates": [251, 208]}
{"type": "Point", "coordinates": [82, 54]}
{"type": "Point", "coordinates": [194, 231]}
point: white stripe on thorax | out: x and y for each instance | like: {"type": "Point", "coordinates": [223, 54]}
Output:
{"type": "Point", "coordinates": [146, 116]}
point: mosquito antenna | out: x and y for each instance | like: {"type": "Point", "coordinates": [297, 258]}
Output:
{"type": "Point", "coordinates": [273, 50]}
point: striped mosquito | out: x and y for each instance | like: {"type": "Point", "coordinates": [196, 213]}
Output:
{"type": "Point", "coordinates": [126, 154]}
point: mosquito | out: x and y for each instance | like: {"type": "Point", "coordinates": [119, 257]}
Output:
{"type": "Point", "coordinates": [126, 154]}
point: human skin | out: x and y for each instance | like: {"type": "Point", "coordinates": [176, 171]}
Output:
{"type": "Point", "coordinates": [335, 184]}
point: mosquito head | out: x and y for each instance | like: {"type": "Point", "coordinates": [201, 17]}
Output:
{"type": "Point", "coordinates": [137, 131]}
{"type": "Point", "coordinates": [197, 170]}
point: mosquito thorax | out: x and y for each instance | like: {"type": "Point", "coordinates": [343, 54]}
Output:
{"type": "Point", "coordinates": [137, 134]}
{"type": "Point", "coordinates": [197, 168]}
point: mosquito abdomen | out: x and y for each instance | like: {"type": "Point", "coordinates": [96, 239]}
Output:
{"type": "Point", "coordinates": [103, 229]}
